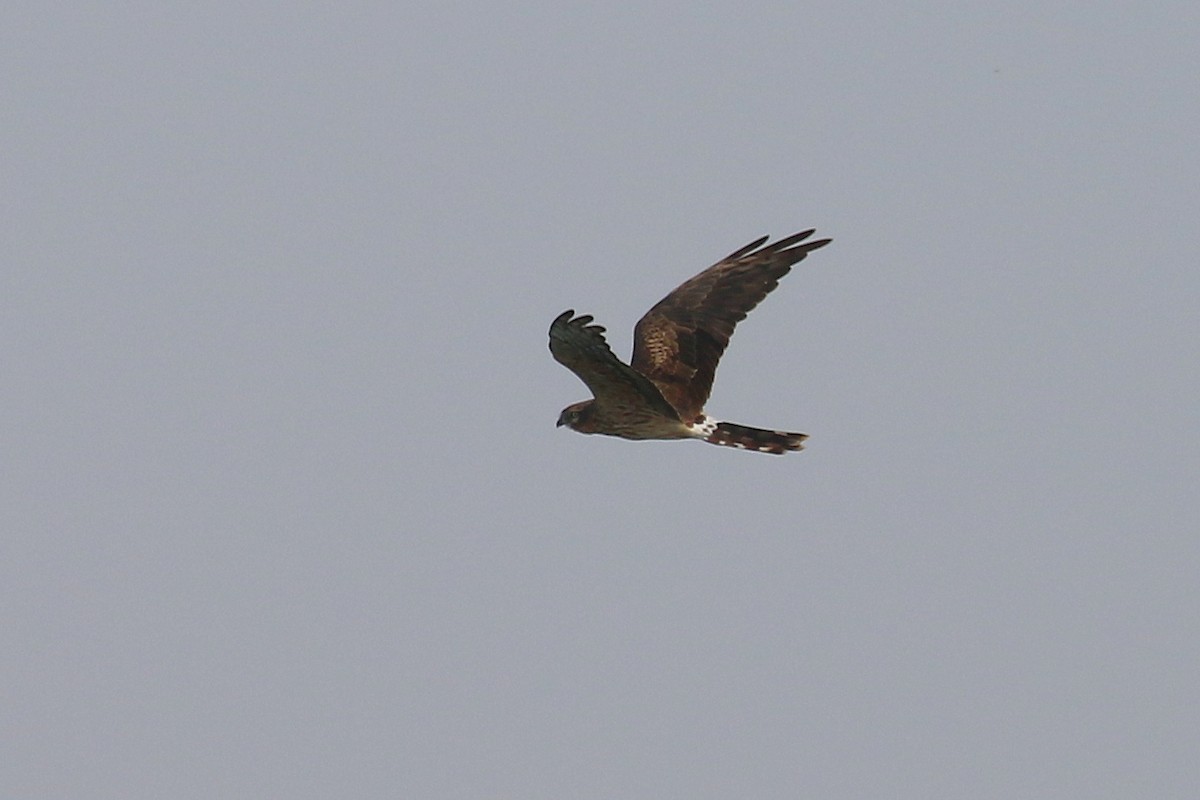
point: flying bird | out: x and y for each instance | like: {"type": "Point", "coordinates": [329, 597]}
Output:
{"type": "Point", "coordinates": [676, 347]}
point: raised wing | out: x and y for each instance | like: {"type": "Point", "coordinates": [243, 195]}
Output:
{"type": "Point", "coordinates": [679, 341]}
{"type": "Point", "coordinates": [581, 348]}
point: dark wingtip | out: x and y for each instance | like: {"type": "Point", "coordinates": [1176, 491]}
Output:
{"type": "Point", "coordinates": [753, 249]}
{"type": "Point", "coordinates": [562, 319]}
{"type": "Point", "coordinates": [796, 247]}
{"type": "Point", "coordinates": [568, 320]}
{"type": "Point", "coordinates": [796, 238]}
{"type": "Point", "coordinates": [741, 251]}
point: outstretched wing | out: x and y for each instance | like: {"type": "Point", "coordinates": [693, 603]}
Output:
{"type": "Point", "coordinates": [679, 341]}
{"type": "Point", "coordinates": [581, 348]}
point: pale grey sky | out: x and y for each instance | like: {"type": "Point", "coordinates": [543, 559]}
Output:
{"type": "Point", "coordinates": [284, 509]}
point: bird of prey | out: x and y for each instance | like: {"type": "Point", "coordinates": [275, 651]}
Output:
{"type": "Point", "coordinates": [676, 347]}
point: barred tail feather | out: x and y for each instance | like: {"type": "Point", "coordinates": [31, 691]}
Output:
{"type": "Point", "coordinates": [731, 434]}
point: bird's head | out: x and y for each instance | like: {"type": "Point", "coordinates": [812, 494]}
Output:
{"type": "Point", "coordinates": [577, 416]}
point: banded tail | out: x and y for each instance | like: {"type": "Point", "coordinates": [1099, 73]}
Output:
{"type": "Point", "coordinates": [730, 434]}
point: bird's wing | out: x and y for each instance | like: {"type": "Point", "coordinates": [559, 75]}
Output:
{"type": "Point", "coordinates": [581, 348]}
{"type": "Point", "coordinates": [679, 341]}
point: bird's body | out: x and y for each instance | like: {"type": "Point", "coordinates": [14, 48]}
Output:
{"type": "Point", "coordinates": [677, 345]}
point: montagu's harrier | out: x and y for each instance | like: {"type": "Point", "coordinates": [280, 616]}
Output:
{"type": "Point", "coordinates": [676, 347]}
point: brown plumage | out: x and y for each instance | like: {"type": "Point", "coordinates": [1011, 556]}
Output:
{"type": "Point", "coordinates": [676, 348]}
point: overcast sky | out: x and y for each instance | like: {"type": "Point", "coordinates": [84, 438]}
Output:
{"type": "Point", "coordinates": [284, 510]}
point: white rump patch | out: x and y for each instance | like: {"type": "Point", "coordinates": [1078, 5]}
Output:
{"type": "Point", "coordinates": [703, 427]}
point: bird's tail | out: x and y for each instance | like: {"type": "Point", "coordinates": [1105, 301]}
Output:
{"type": "Point", "coordinates": [731, 434]}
